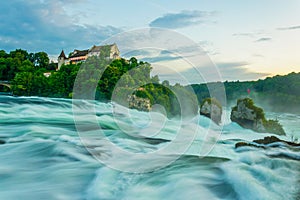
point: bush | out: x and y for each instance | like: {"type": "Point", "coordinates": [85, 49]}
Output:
{"type": "Point", "coordinates": [273, 126]}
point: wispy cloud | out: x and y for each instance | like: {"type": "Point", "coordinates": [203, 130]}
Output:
{"type": "Point", "coordinates": [249, 34]}
{"type": "Point", "coordinates": [258, 56]}
{"type": "Point", "coordinates": [179, 53]}
{"type": "Point", "coordinates": [227, 71]}
{"type": "Point", "coordinates": [264, 39]}
{"type": "Point", "coordinates": [244, 34]}
{"type": "Point", "coordinates": [180, 20]}
{"type": "Point", "coordinates": [231, 65]}
{"type": "Point", "coordinates": [221, 71]}
{"type": "Point", "coordinates": [289, 28]}
{"type": "Point", "coordinates": [238, 71]}
{"type": "Point", "coordinates": [45, 26]}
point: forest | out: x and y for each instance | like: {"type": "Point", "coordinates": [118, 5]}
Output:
{"type": "Point", "coordinates": [277, 94]}
{"type": "Point", "coordinates": [97, 78]}
{"type": "Point", "coordinates": [116, 79]}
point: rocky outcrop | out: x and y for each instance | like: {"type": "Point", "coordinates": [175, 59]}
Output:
{"type": "Point", "coordinates": [249, 116]}
{"type": "Point", "coordinates": [212, 109]}
{"type": "Point", "coordinates": [142, 104]}
{"type": "Point", "coordinates": [265, 141]}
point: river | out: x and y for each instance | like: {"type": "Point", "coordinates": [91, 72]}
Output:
{"type": "Point", "coordinates": [64, 149]}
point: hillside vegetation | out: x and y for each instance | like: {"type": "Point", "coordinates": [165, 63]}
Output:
{"type": "Point", "coordinates": [278, 93]}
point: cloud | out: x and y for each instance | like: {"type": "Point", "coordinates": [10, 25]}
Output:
{"type": "Point", "coordinates": [249, 34]}
{"type": "Point", "coordinates": [244, 34]}
{"type": "Point", "coordinates": [289, 28]}
{"type": "Point", "coordinates": [238, 71]}
{"type": "Point", "coordinates": [157, 55]}
{"type": "Point", "coordinates": [258, 56]}
{"type": "Point", "coordinates": [231, 65]}
{"type": "Point", "coordinates": [209, 73]}
{"type": "Point", "coordinates": [152, 55]}
{"type": "Point", "coordinates": [45, 26]}
{"type": "Point", "coordinates": [180, 20]}
{"type": "Point", "coordinates": [264, 39]}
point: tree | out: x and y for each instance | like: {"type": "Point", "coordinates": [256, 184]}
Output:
{"type": "Point", "coordinates": [3, 54]}
{"type": "Point", "coordinates": [20, 54]}
{"type": "Point", "coordinates": [40, 59]}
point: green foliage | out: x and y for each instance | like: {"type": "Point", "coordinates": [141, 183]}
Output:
{"type": "Point", "coordinates": [40, 60]}
{"type": "Point", "coordinates": [273, 126]}
{"type": "Point", "coordinates": [278, 94]}
{"type": "Point", "coordinates": [21, 61]}
{"type": "Point", "coordinates": [144, 94]}
{"type": "Point", "coordinates": [34, 83]}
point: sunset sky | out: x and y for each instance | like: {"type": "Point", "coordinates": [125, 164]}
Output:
{"type": "Point", "coordinates": [246, 40]}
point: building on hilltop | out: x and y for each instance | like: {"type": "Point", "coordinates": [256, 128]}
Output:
{"type": "Point", "coordinates": [78, 56]}
{"type": "Point", "coordinates": [61, 59]}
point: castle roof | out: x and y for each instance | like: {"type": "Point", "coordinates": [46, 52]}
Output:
{"type": "Point", "coordinates": [62, 54]}
{"type": "Point", "coordinates": [98, 48]}
{"type": "Point", "coordinates": [78, 53]}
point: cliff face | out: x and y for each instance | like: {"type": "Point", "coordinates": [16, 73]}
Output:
{"type": "Point", "coordinates": [142, 104]}
{"type": "Point", "coordinates": [247, 115]}
{"type": "Point", "coordinates": [211, 109]}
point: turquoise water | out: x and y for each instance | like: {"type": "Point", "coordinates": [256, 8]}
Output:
{"type": "Point", "coordinates": [59, 149]}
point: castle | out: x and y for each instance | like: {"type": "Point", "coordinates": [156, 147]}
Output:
{"type": "Point", "coordinates": [78, 56]}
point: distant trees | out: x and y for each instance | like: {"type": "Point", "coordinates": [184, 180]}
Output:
{"type": "Point", "coordinates": [279, 93]}
{"type": "Point", "coordinates": [122, 77]}
{"type": "Point", "coordinates": [21, 61]}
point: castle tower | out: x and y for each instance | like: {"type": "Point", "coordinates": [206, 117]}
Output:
{"type": "Point", "coordinates": [61, 59]}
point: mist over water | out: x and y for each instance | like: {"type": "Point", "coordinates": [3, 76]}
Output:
{"type": "Point", "coordinates": [43, 157]}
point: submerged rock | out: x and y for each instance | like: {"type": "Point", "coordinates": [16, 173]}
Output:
{"type": "Point", "coordinates": [212, 109]}
{"type": "Point", "coordinates": [2, 142]}
{"type": "Point", "coordinates": [249, 116]}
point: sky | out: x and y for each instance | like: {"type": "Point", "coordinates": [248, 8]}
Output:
{"type": "Point", "coordinates": [199, 40]}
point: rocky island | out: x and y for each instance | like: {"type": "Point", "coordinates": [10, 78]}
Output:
{"type": "Point", "coordinates": [211, 108]}
{"type": "Point", "coordinates": [249, 116]}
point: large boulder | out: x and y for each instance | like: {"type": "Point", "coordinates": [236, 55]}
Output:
{"type": "Point", "coordinates": [212, 109]}
{"type": "Point", "coordinates": [249, 116]}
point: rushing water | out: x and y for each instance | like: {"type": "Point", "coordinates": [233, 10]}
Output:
{"type": "Point", "coordinates": [44, 156]}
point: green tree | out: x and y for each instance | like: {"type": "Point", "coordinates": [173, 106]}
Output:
{"type": "Point", "coordinates": [41, 60]}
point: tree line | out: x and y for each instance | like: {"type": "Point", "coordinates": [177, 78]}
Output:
{"type": "Point", "coordinates": [122, 77]}
{"type": "Point", "coordinates": [97, 78]}
{"type": "Point", "coordinates": [278, 93]}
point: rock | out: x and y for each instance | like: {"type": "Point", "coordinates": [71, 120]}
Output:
{"type": "Point", "coordinates": [2, 142]}
{"type": "Point", "coordinates": [212, 109]}
{"type": "Point", "coordinates": [272, 139]}
{"type": "Point", "coordinates": [265, 141]}
{"type": "Point", "coordinates": [142, 104]}
{"type": "Point", "coordinates": [246, 144]}
{"type": "Point", "coordinates": [249, 116]}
